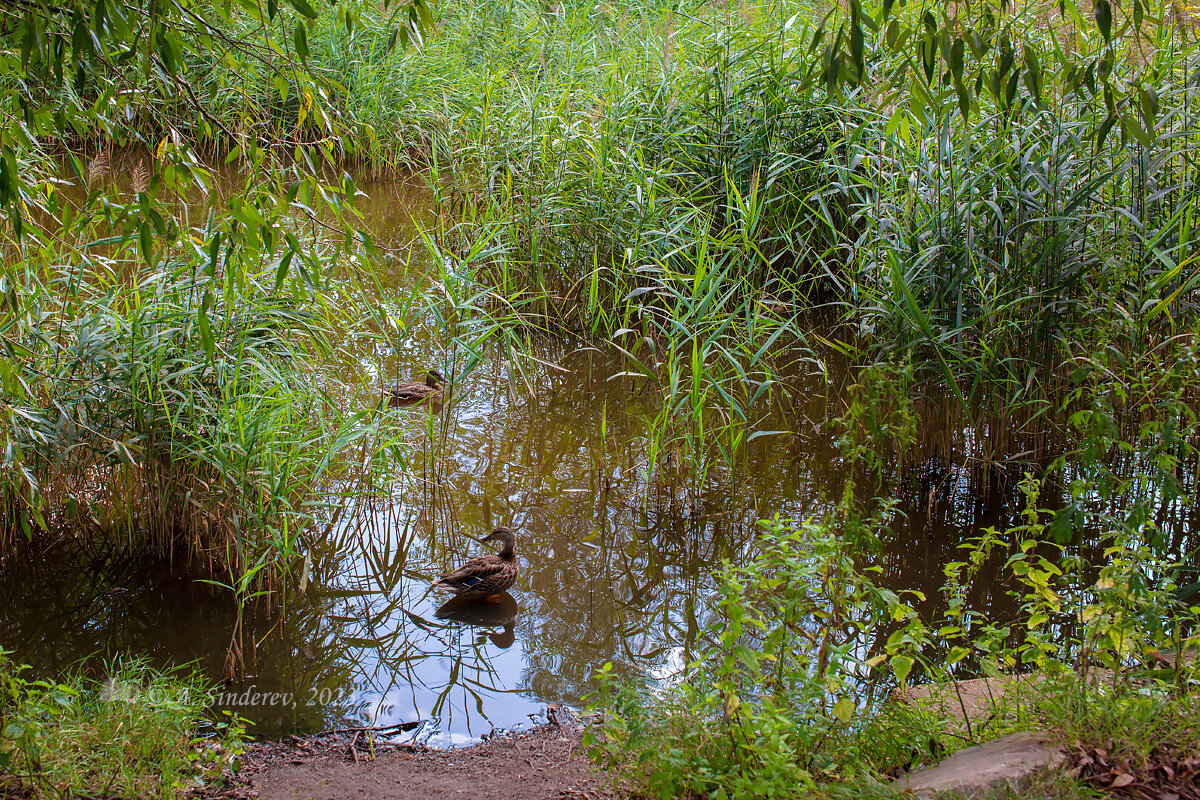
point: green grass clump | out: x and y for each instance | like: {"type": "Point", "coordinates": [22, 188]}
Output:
{"type": "Point", "coordinates": [187, 401]}
{"type": "Point", "coordinates": [134, 734]}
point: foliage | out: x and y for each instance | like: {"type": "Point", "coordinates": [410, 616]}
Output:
{"type": "Point", "coordinates": [168, 325]}
{"type": "Point", "coordinates": [796, 682]}
{"type": "Point", "coordinates": [997, 203]}
{"type": "Point", "coordinates": [990, 195]}
{"type": "Point", "coordinates": [133, 735]}
{"type": "Point", "coordinates": [134, 71]}
{"type": "Point", "coordinates": [790, 689]}
{"type": "Point", "coordinates": [781, 675]}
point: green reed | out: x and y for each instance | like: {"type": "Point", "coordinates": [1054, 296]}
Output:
{"type": "Point", "coordinates": [1000, 198]}
{"type": "Point", "coordinates": [609, 152]}
{"type": "Point", "coordinates": [192, 405]}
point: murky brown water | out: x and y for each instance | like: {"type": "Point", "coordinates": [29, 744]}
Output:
{"type": "Point", "coordinates": [614, 569]}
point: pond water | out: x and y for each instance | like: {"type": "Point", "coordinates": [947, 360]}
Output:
{"type": "Point", "coordinates": [615, 569]}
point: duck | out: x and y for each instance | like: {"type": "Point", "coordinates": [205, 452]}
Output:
{"type": "Point", "coordinates": [487, 576]}
{"type": "Point", "coordinates": [409, 393]}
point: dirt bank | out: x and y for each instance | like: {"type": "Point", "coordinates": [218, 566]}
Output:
{"type": "Point", "coordinates": [544, 763]}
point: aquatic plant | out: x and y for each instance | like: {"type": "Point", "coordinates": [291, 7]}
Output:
{"type": "Point", "coordinates": [980, 194]}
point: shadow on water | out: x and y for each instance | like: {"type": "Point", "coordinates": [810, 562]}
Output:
{"type": "Point", "coordinates": [614, 568]}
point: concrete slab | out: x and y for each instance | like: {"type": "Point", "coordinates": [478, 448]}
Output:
{"type": "Point", "coordinates": [965, 703]}
{"type": "Point", "coordinates": [973, 770]}
{"type": "Point", "coordinates": [970, 700]}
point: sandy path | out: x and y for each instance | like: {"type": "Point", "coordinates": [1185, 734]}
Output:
{"type": "Point", "coordinates": [545, 763]}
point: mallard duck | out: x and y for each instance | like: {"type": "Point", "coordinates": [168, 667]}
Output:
{"type": "Point", "coordinates": [486, 576]}
{"type": "Point", "coordinates": [408, 393]}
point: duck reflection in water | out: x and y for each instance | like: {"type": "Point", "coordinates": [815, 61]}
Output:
{"type": "Point", "coordinates": [500, 612]}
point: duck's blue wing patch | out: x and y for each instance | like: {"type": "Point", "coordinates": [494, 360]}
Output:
{"type": "Point", "coordinates": [470, 581]}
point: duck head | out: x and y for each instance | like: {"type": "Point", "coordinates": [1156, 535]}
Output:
{"type": "Point", "coordinates": [506, 538]}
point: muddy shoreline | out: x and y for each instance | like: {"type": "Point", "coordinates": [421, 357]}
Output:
{"type": "Point", "coordinates": [547, 762]}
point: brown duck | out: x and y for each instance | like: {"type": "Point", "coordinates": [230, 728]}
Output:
{"type": "Point", "coordinates": [410, 393]}
{"type": "Point", "coordinates": [486, 576]}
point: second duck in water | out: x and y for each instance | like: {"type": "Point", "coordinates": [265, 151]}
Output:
{"type": "Point", "coordinates": [410, 393]}
{"type": "Point", "coordinates": [486, 576]}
